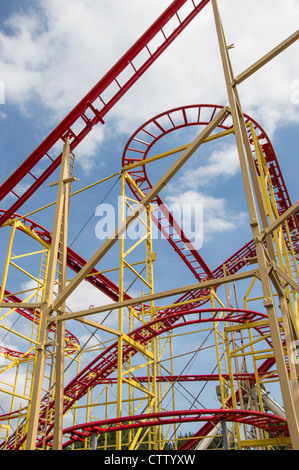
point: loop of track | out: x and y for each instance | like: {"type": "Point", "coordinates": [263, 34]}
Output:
{"type": "Point", "coordinates": [272, 424]}
{"type": "Point", "coordinates": [106, 362]}
{"type": "Point", "coordinates": [147, 135]}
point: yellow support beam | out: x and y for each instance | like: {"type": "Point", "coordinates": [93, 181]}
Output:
{"type": "Point", "coordinates": [142, 349]}
{"type": "Point", "coordinates": [273, 442]}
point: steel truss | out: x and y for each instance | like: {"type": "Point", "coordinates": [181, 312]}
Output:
{"type": "Point", "coordinates": [131, 386]}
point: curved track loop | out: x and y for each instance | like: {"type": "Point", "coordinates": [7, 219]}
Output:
{"type": "Point", "coordinates": [137, 150]}
{"type": "Point", "coordinates": [106, 362]}
{"type": "Point", "coordinates": [272, 424]}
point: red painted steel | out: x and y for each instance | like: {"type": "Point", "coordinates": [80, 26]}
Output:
{"type": "Point", "coordinates": [94, 106]}
{"type": "Point", "coordinates": [156, 128]}
{"type": "Point", "coordinates": [106, 362]}
{"type": "Point", "coordinates": [91, 111]}
{"type": "Point", "coordinates": [270, 423]}
{"type": "Point", "coordinates": [74, 260]}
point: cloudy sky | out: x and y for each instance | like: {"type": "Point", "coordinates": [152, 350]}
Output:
{"type": "Point", "coordinates": [52, 52]}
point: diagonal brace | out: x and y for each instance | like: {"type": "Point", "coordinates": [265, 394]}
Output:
{"type": "Point", "coordinates": [107, 245]}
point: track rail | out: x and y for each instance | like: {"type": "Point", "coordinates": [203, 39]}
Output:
{"type": "Point", "coordinates": [137, 150]}
{"type": "Point", "coordinates": [74, 260]}
{"type": "Point", "coordinates": [106, 362]}
{"type": "Point", "coordinates": [92, 109]}
{"type": "Point", "coordinates": [274, 425]}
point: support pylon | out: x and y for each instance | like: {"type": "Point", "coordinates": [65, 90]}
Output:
{"type": "Point", "coordinates": [246, 162]}
{"type": "Point", "coordinates": [57, 255]}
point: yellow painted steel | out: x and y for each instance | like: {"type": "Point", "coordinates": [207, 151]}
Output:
{"type": "Point", "coordinates": [236, 348]}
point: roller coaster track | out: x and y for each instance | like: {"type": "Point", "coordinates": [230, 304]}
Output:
{"type": "Point", "coordinates": [274, 425]}
{"type": "Point", "coordinates": [89, 112]}
{"type": "Point", "coordinates": [146, 136]}
{"type": "Point", "coordinates": [71, 344]}
{"type": "Point", "coordinates": [100, 100]}
{"type": "Point", "coordinates": [233, 264]}
{"type": "Point", "coordinates": [106, 362]}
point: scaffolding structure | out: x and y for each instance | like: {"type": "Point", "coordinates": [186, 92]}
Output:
{"type": "Point", "coordinates": [146, 375]}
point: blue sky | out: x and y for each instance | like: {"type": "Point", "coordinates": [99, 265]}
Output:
{"type": "Point", "coordinates": [52, 52]}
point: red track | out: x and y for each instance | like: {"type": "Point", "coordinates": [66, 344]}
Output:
{"type": "Point", "coordinates": [105, 364]}
{"type": "Point", "coordinates": [138, 148]}
{"type": "Point", "coordinates": [91, 111]}
{"type": "Point", "coordinates": [274, 425]}
{"type": "Point", "coordinates": [95, 105]}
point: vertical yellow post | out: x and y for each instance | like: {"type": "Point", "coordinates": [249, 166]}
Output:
{"type": "Point", "coordinates": [245, 157]}
{"type": "Point", "coordinates": [120, 314]}
{"type": "Point", "coordinates": [60, 351]}
{"type": "Point", "coordinates": [150, 257]}
{"type": "Point", "coordinates": [7, 261]}
{"type": "Point", "coordinates": [41, 349]}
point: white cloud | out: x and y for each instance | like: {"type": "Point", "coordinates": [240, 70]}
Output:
{"type": "Point", "coordinates": [86, 295]}
{"type": "Point", "coordinates": [193, 188]}
{"type": "Point", "coordinates": [223, 162]}
{"type": "Point", "coordinates": [88, 148]}
{"type": "Point", "coordinates": [217, 217]}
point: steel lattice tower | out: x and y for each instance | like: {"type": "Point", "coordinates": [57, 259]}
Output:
{"type": "Point", "coordinates": [128, 391]}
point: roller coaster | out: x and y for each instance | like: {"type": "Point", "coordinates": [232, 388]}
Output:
{"type": "Point", "coordinates": [188, 368]}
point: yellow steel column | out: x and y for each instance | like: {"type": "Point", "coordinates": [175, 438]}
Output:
{"type": "Point", "coordinates": [60, 326]}
{"type": "Point", "coordinates": [150, 257]}
{"type": "Point", "coordinates": [7, 261]}
{"type": "Point", "coordinates": [242, 144]}
{"type": "Point", "coordinates": [120, 314]}
{"type": "Point", "coordinates": [46, 311]}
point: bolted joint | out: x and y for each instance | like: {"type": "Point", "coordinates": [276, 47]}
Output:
{"type": "Point", "coordinates": [268, 302]}
{"type": "Point", "coordinates": [253, 222]}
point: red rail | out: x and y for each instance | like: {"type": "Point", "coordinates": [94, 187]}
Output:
{"type": "Point", "coordinates": [106, 362]}
{"type": "Point", "coordinates": [137, 149]}
{"type": "Point", "coordinates": [275, 425]}
{"type": "Point", "coordinates": [105, 94]}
